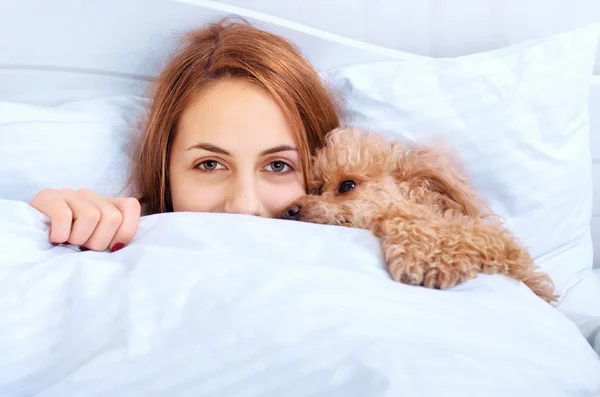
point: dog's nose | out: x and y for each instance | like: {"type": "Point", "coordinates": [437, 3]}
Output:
{"type": "Point", "coordinates": [292, 213]}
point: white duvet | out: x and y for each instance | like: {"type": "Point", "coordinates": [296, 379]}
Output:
{"type": "Point", "coordinates": [229, 305]}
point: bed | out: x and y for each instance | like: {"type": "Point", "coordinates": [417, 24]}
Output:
{"type": "Point", "coordinates": [254, 307]}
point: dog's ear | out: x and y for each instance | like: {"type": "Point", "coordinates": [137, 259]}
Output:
{"type": "Point", "coordinates": [433, 179]}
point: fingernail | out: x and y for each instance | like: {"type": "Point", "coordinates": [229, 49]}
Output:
{"type": "Point", "coordinates": [82, 248]}
{"type": "Point", "coordinates": [117, 247]}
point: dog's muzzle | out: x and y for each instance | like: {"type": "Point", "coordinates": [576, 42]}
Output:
{"type": "Point", "coordinates": [291, 213]}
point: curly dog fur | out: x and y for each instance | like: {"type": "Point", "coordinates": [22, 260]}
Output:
{"type": "Point", "coordinates": [434, 229]}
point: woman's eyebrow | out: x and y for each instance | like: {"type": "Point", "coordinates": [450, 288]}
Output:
{"type": "Point", "coordinates": [210, 148]}
{"type": "Point", "coordinates": [277, 149]}
{"type": "Point", "coordinates": [216, 149]}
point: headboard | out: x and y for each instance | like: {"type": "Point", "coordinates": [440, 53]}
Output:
{"type": "Point", "coordinates": [53, 49]}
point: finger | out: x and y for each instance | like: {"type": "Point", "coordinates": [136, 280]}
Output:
{"type": "Point", "coordinates": [86, 216]}
{"type": "Point", "coordinates": [131, 210]}
{"type": "Point", "coordinates": [110, 220]}
{"type": "Point", "coordinates": [51, 203]}
{"type": "Point", "coordinates": [61, 220]}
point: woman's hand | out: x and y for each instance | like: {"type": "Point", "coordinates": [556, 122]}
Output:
{"type": "Point", "coordinates": [82, 218]}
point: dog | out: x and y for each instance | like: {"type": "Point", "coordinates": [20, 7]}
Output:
{"type": "Point", "coordinates": [434, 229]}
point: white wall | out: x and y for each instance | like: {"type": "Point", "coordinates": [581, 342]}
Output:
{"type": "Point", "coordinates": [435, 27]}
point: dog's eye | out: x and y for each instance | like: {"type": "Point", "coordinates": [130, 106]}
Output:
{"type": "Point", "coordinates": [346, 186]}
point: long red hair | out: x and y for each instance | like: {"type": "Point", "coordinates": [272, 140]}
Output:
{"type": "Point", "coordinates": [229, 49]}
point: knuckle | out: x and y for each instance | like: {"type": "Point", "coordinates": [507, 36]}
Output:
{"type": "Point", "coordinates": [93, 215]}
{"type": "Point", "coordinates": [67, 192]}
{"type": "Point", "coordinates": [113, 217]}
{"type": "Point", "coordinates": [86, 192]}
{"type": "Point", "coordinates": [132, 201]}
{"type": "Point", "coordinates": [62, 214]}
{"type": "Point", "coordinates": [41, 198]}
{"type": "Point", "coordinates": [48, 192]}
{"type": "Point", "coordinates": [132, 204]}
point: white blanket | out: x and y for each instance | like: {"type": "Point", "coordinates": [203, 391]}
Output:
{"type": "Point", "coordinates": [230, 305]}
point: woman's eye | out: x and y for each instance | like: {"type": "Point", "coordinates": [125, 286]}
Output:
{"type": "Point", "coordinates": [210, 165]}
{"type": "Point", "coordinates": [278, 167]}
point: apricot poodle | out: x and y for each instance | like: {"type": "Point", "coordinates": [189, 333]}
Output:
{"type": "Point", "coordinates": [434, 229]}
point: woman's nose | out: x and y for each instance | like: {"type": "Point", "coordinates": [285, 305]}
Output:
{"type": "Point", "coordinates": [244, 199]}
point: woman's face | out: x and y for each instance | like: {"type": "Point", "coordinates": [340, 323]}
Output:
{"type": "Point", "coordinates": [234, 153]}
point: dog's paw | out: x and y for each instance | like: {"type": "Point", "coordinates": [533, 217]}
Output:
{"type": "Point", "coordinates": [442, 277]}
{"type": "Point", "coordinates": [408, 277]}
{"type": "Point", "coordinates": [402, 267]}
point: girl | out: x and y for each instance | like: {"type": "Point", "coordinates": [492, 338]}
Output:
{"type": "Point", "coordinates": [234, 118]}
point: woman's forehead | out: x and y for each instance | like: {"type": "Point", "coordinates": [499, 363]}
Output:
{"type": "Point", "coordinates": [235, 113]}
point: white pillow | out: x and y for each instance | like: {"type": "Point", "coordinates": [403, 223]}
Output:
{"type": "Point", "coordinates": [519, 118]}
{"type": "Point", "coordinates": [76, 145]}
